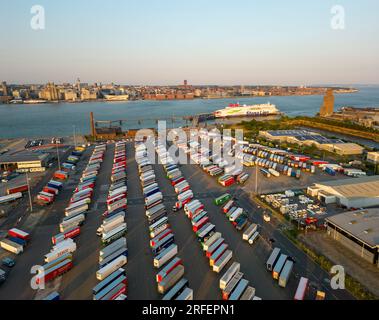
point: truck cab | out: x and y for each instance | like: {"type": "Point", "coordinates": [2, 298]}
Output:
{"type": "Point", "coordinates": [8, 262]}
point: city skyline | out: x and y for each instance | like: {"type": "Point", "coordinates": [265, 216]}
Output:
{"type": "Point", "coordinates": [244, 42]}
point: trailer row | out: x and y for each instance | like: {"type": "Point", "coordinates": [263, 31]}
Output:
{"type": "Point", "coordinates": [15, 241]}
{"type": "Point", "coordinates": [59, 259]}
{"type": "Point", "coordinates": [234, 287]}
{"type": "Point", "coordinates": [114, 254]}
{"type": "Point", "coordinates": [238, 218]}
{"type": "Point", "coordinates": [170, 277]}
{"type": "Point", "coordinates": [214, 246]}
{"type": "Point", "coordinates": [50, 191]}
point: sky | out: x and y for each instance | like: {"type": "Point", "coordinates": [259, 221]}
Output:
{"type": "Point", "coordinates": [163, 42]}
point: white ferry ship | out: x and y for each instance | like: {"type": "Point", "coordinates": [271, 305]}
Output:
{"type": "Point", "coordinates": [237, 110]}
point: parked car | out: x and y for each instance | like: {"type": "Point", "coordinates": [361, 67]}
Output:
{"type": "Point", "coordinates": [8, 262]}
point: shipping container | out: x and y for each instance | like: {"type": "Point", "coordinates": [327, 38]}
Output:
{"type": "Point", "coordinates": [168, 282]}
{"type": "Point", "coordinates": [104, 272]}
{"type": "Point", "coordinates": [165, 255]}
{"type": "Point", "coordinates": [274, 256]}
{"type": "Point", "coordinates": [279, 266]}
{"type": "Point", "coordinates": [222, 261]}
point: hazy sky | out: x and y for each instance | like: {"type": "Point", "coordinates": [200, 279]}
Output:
{"type": "Point", "coordinates": [204, 41]}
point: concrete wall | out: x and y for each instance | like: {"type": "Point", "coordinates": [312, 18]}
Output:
{"type": "Point", "coordinates": [360, 202]}
{"type": "Point", "coordinates": [351, 245]}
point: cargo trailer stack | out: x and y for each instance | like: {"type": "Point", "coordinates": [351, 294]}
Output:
{"type": "Point", "coordinates": [281, 266]}
{"type": "Point", "coordinates": [234, 287]}
{"type": "Point", "coordinates": [114, 253]}
{"type": "Point", "coordinates": [73, 159]}
{"type": "Point", "coordinates": [216, 249]}
{"type": "Point", "coordinates": [19, 189]}
{"type": "Point", "coordinates": [235, 214]}
{"type": "Point", "coordinates": [15, 241]}
{"type": "Point", "coordinates": [169, 279]}
{"type": "Point", "coordinates": [60, 258]}
{"type": "Point", "coordinates": [76, 211]}
{"type": "Point", "coordinates": [10, 198]}
{"type": "Point", "coordinates": [278, 160]}
{"type": "Point", "coordinates": [56, 262]}
{"type": "Point", "coordinates": [53, 187]}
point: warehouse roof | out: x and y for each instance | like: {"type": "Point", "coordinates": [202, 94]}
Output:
{"type": "Point", "coordinates": [304, 135]}
{"type": "Point", "coordinates": [362, 224]}
{"type": "Point", "coordinates": [355, 187]}
{"type": "Point", "coordinates": [22, 157]}
{"type": "Point", "coordinates": [346, 146]}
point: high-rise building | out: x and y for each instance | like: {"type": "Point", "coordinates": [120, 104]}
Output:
{"type": "Point", "coordinates": [185, 83]}
{"type": "Point", "coordinates": [78, 86]}
{"type": "Point", "coordinates": [50, 92]}
{"type": "Point", "coordinates": [327, 108]}
{"type": "Point", "coordinates": [4, 88]}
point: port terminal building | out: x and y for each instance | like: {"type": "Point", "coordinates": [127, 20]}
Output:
{"type": "Point", "coordinates": [358, 231]}
{"type": "Point", "coordinates": [25, 161]}
{"type": "Point", "coordinates": [309, 138]}
{"type": "Point", "coordinates": [350, 193]}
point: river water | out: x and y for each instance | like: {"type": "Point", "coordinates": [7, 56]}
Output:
{"type": "Point", "coordinates": [60, 119]}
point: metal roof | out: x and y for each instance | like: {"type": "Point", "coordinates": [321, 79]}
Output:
{"type": "Point", "coordinates": [362, 224]}
{"type": "Point", "coordinates": [22, 157]}
{"type": "Point", "coordinates": [304, 135]}
{"type": "Point", "coordinates": [363, 187]}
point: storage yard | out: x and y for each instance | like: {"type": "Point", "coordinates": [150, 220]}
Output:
{"type": "Point", "coordinates": [120, 227]}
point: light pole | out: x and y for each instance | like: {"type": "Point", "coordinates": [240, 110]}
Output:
{"type": "Point", "coordinates": [29, 193]}
{"type": "Point", "coordinates": [59, 160]}
{"type": "Point", "coordinates": [74, 135]}
{"type": "Point", "coordinates": [256, 179]}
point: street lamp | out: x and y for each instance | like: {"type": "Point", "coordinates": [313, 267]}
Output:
{"type": "Point", "coordinates": [74, 135]}
{"type": "Point", "coordinates": [59, 161]}
{"type": "Point", "coordinates": [29, 193]}
{"type": "Point", "coordinates": [256, 179]}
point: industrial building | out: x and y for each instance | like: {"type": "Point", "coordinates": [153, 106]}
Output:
{"type": "Point", "coordinates": [24, 161]}
{"type": "Point", "coordinates": [350, 193]}
{"type": "Point", "coordinates": [373, 157]}
{"type": "Point", "coordinates": [358, 231]}
{"type": "Point", "coordinates": [309, 138]}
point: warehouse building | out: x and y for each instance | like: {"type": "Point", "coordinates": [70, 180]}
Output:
{"type": "Point", "coordinates": [24, 161]}
{"type": "Point", "coordinates": [358, 231]}
{"type": "Point", "coordinates": [309, 138]}
{"type": "Point", "coordinates": [373, 157]}
{"type": "Point", "coordinates": [351, 193]}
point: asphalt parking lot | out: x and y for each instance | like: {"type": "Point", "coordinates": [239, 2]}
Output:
{"type": "Point", "coordinates": [78, 283]}
{"type": "Point", "coordinates": [42, 224]}
{"type": "Point", "coordinates": [253, 258]}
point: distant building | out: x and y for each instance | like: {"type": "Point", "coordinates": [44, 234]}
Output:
{"type": "Point", "coordinates": [373, 157]}
{"type": "Point", "coordinates": [104, 133]}
{"type": "Point", "coordinates": [350, 193]}
{"type": "Point", "coordinates": [70, 95]}
{"type": "Point", "coordinates": [50, 92]}
{"type": "Point", "coordinates": [368, 117]}
{"type": "Point", "coordinates": [26, 160]}
{"type": "Point", "coordinates": [197, 93]}
{"type": "Point", "coordinates": [327, 107]}
{"type": "Point", "coordinates": [4, 88]}
{"type": "Point", "coordinates": [358, 231]}
{"type": "Point", "coordinates": [309, 138]}
{"type": "Point", "coordinates": [87, 94]}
